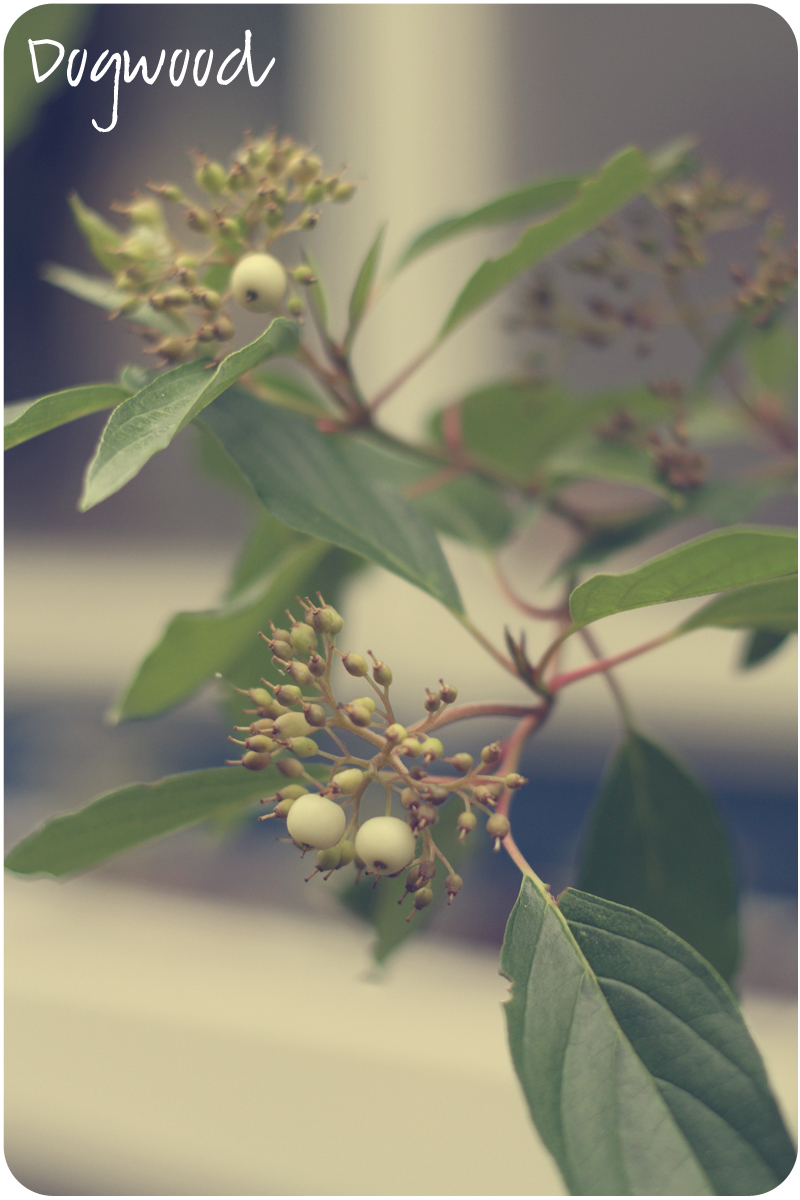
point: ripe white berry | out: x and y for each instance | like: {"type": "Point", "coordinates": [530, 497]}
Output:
{"type": "Point", "coordinates": [385, 844]}
{"type": "Point", "coordinates": [258, 282]}
{"type": "Point", "coordinates": [316, 821]}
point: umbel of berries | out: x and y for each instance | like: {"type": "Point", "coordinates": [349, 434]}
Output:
{"type": "Point", "coordinates": [326, 808]}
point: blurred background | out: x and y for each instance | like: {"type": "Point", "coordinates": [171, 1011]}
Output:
{"type": "Point", "coordinates": [434, 108]}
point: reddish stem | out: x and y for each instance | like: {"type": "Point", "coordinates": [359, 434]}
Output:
{"type": "Point", "coordinates": [605, 663]}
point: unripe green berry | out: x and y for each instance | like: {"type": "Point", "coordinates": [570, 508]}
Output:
{"type": "Point", "coordinates": [314, 192]}
{"type": "Point", "coordinates": [187, 276]}
{"type": "Point", "coordinates": [256, 762]}
{"type": "Point", "coordinates": [328, 860]}
{"type": "Point", "coordinates": [261, 744]}
{"type": "Point", "coordinates": [260, 697]}
{"type": "Point", "coordinates": [292, 724]}
{"type": "Point", "coordinates": [343, 192]}
{"type": "Point", "coordinates": [281, 809]}
{"type": "Point", "coordinates": [177, 298]}
{"type": "Point", "coordinates": [266, 726]}
{"type": "Point", "coordinates": [491, 754]}
{"type": "Point", "coordinates": [303, 638]}
{"type": "Point", "coordinates": [348, 780]}
{"type": "Point", "coordinates": [365, 702]}
{"type": "Point", "coordinates": [423, 897]}
{"type": "Point", "coordinates": [358, 714]}
{"type": "Point", "coordinates": [305, 168]}
{"type": "Point", "coordinates": [303, 274]}
{"type": "Point", "coordinates": [273, 708]}
{"type": "Point", "coordinates": [515, 781]}
{"type": "Point", "coordinates": [462, 762]}
{"type": "Point", "coordinates": [295, 306]}
{"type": "Point", "coordinates": [395, 733]}
{"type": "Point", "coordinates": [303, 747]}
{"type": "Point", "coordinates": [410, 747]}
{"type": "Point", "coordinates": [497, 826]}
{"type": "Point", "coordinates": [167, 191]}
{"type": "Point", "coordinates": [211, 177]}
{"type": "Point", "coordinates": [316, 665]}
{"type": "Point", "coordinates": [290, 767]}
{"type": "Point", "coordinates": [382, 674]}
{"type": "Point", "coordinates": [315, 715]}
{"type": "Point", "coordinates": [300, 673]}
{"type": "Point", "coordinates": [431, 748]}
{"type": "Point", "coordinates": [435, 794]}
{"type": "Point", "coordinates": [258, 282]}
{"type": "Point", "coordinates": [291, 791]}
{"type": "Point", "coordinates": [447, 693]}
{"type": "Point", "coordinates": [288, 693]}
{"type": "Point", "coordinates": [172, 348]}
{"type": "Point", "coordinates": [355, 665]}
{"type": "Point", "coordinates": [346, 854]}
{"type": "Point", "coordinates": [315, 821]}
{"type": "Point", "coordinates": [338, 621]}
{"type": "Point", "coordinates": [207, 297]}
{"type": "Point", "coordinates": [223, 329]}
{"type": "Point", "coordinates": [466, 823]}
{"type": "Point", "coordinates": [386, 845]}
{"type": "Point", "coordinates": [431, 702]}
{"type": "Point", "coordinates": [198, 220]}
{"type": "Point", "coordinates": [281, 650]}
{"type": "Point", "coordinates": [205, 333]}
{"type": "Point", "coordinates": [281, 635]}
{"type": "Point", "coordinates": [425, 814]}
{"type": "Point", "coordinates": [409, 798]}
{"type": "Point", "coordinates": [453, 885]}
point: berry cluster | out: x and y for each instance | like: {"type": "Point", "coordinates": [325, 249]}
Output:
{"type": "Point", "coordinates": [327, 816]}
{"type": "Point", "coordinates": [273, 187]}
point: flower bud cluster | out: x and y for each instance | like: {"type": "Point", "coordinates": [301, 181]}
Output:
{"type": "Point", "coordinates": [327, 815]}
{"type": "Point", "coordinates": [273, 186]}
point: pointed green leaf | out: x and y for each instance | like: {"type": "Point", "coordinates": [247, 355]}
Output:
{"type": "Point", "coordinates": [761, 644]}
{"type": "Point", "coordinates": [148, 421]}
{"type": "Point", "coordinates": [732, 338]}
{"type": "Point", "coordinates": [623, 178]}
{"type": "Point", "coordinates": [686, 1027]}
{"type": "Point", "coordinates": [612, 462]}
{"type": "Point", "coordinates": [279, 388]}
{"type": "Point", "coordinates": [363, 287]}
{"type": "Point", "coordinates": [135, 814]}
{"type": "Point", "coordinates": [638, 1070]}
{"type": "Point", "coordinates": [513, 206]}
{"type": "Point", "coordinates": [769, 606]}
{"type": "Point", "coordinates": [599, 1111]}
{"type": "Point", "coordinates": [29, 418]}
{"type": "Point", "coordinates": [715, 562]}
{"type": "Point", "coordinates": [313, 483]}
{"type": "Point", "coordinates": [672, 157]}
{"type": "Point", "coordinates": [319, 299]}
{"type": "Point", "coordinates": [99, 291]}
{"type": "Point", "coordinates": [197, 645]}
{"type": "Point", "coordinates": [101, 238]}
{"type": "Point", "coordinates": [655, 842]}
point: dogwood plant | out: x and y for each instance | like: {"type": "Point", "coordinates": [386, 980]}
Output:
{"type": "Point", "coordinates": [628, 1041]}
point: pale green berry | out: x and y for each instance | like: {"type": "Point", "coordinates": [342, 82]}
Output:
{"type": "Point", "coordinates": [346, 854]}
{"type": "Point", "coordinates": [431, 748]}
{"type": "Point", "coordinates": [491, 754]}
{"type": "Point", "coordinates": [211, 177]}
{"type": "Point", "coordinates": [497, 827]}
{"type": "Point", "coordinates": [315, 821]}
{"type": "Point", "coordinates": [410, 747]}
{"type": "Point", "coordinates": [256, 762]}
{"type": "Point", "coordinates": [423, 897]}
{"type": "Point", "coordinates": [453, 885]}
{"type": "Point", "coordinates": [288, 693]}
{"type": "Point", "coordinates": [258, 282]}
{"type": "Point", "coordinates": [260, 697]}
{"type": "Point", "coordinates": [395, 733]}
{"type": "Point", "coordinates": [300, 673]}
{"type": "Point", "coordinates": [354, 664]}
{"type": "Point", "coordinates": [466, 823]}
{"type": "Point", "coordinates": [315, 715]}
{"type": "Point", "coordinates": [290, 767]}
{"type": "Point", "coordinates": [358, 714]}
{"type": "Point", "coordinates": [303, 747]}
{"type": "Point", "coordinates": [515, 781]}
{"type": "Point", "coordinates": [348, 780]}
{"type": "Point", "coordinates": [281, 809]}
{"type": "Point", "coordinates": [381, 673]}
{"type": "Point", "coordinates": [328, 860]}
{"type": "Point", "coordinates": [292, 724]}
{"type": "Point", "coordinates": [261, 744]}
{"type": "Point", "coordinates": [292, 791]}
{"type": "Point", "coordinates": [385, 844]}
{"type": "Point", "coordinates": [462, 762]}
{"type": "Point", "coordinates": [303, 638]}
{"type": "Point", "coordinates": [366, 702]}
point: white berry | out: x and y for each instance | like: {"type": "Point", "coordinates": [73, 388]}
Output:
{"type": "Point", "coordinates": [258, 282]}
{"type": "Point", "coordinates": [316, 821]}
{"type": "Point", "coordinates": [385, 845]}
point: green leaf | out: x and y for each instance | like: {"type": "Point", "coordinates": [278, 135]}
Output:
{"type": "Point", "coordinates": [317, 292]}
{"type": "Point", "coordinates": [102, 293]}
{"type": "Point", "coordinates": [513, 206]}
{"type": "Point", "coordinates": [769, 606]}
{"type": "Point", "coordinates": [267, 541]}
{"type": "Point", "coordinates": [612, 462]}
{"type": "Point", "coordinates": [217, 278]}
{"type": "Point", "coordinates": [313, 483]}
{"type": "Point", "coordinates": [598, 1110]}
{"type": "Point", "coordinates": [23, 96]}
{"type": "Point", "coordinates": [29, 418]}
{"type": "Point", "coordinates": [101, 238]}
{"type": "Point", "coordinates": [761, 645]}
{"type": "Point", "coordinates": [469, 509]}
{"type": "Point", "coordinates": [379, 906]}
{"type": "Point", "coordinates": [148, 421]}
{"type": "Point", "coordinates": [687, 1029]}
{"type": "Point", "coordinates": [363, 287]}
{"type": "Point", "coordinates": [672, 157]}
{"type": "Point", "coordinates": [772, 358]}
{"type": "Point", "coordinates": [637, 1067]}
{"type": "Point", "coordinates": [135, 814]}
{"type": "Point", "coordinates": [623, 178]}
{"type": "Point", "coordinates": [513, 427]}
{"type": "Point", "coordinates": [715, 562]}
{"type": "Point", "coordinates": [197, 645]}
{"type": "Point", "coordinates": [656, 843]}
{"type": "Point", "coordinates": [733, 336]}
